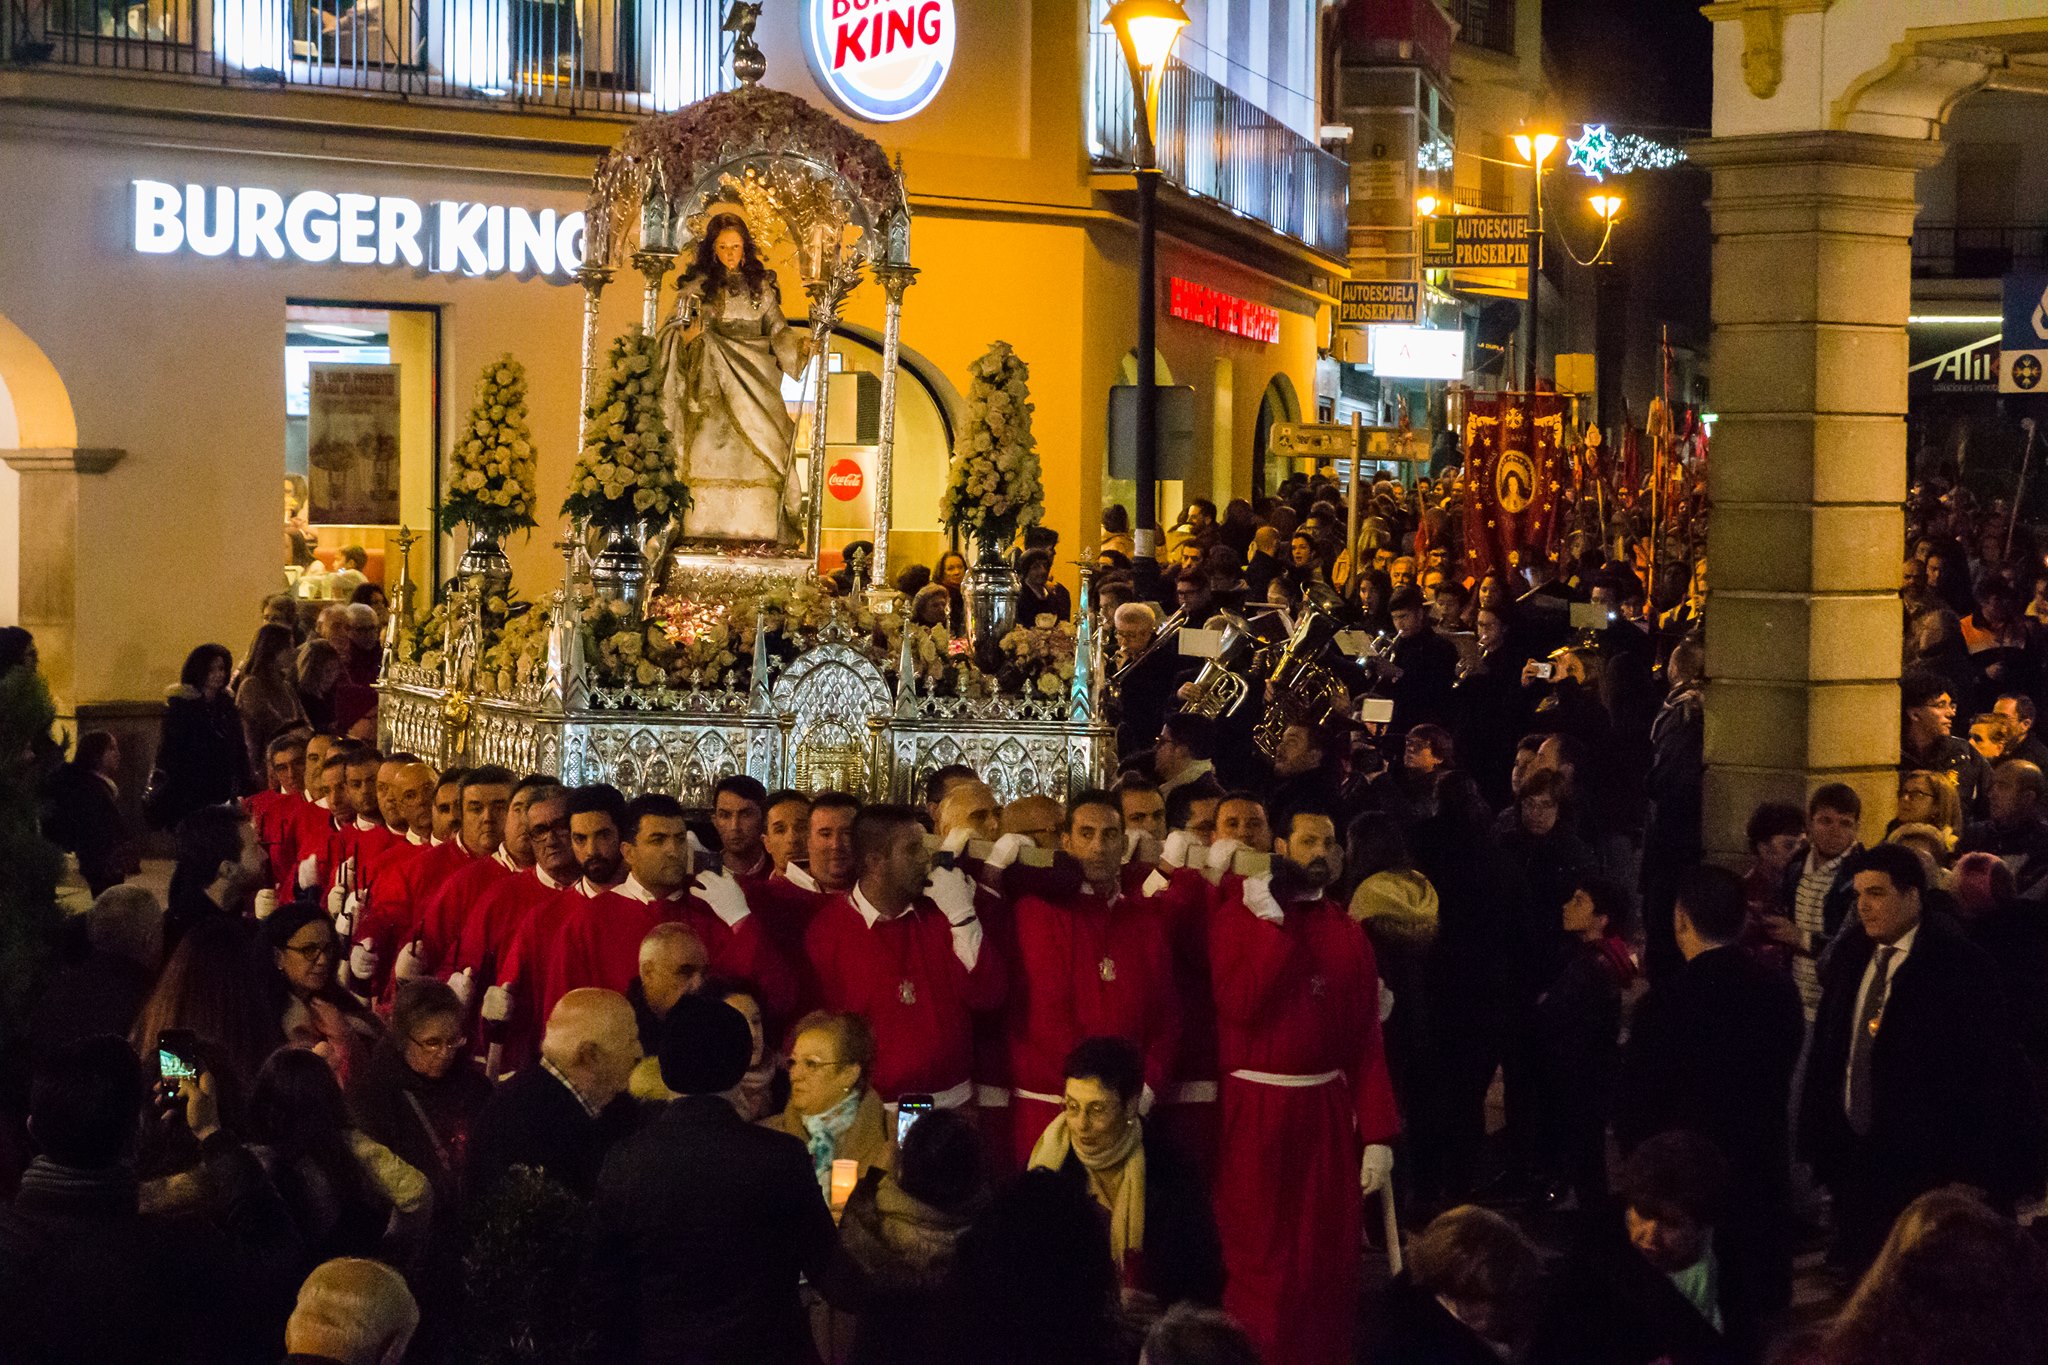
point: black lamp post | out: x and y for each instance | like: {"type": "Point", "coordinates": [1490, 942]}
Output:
{"type": "Point", "coordinates": [1534, 149]}
{"type": "Point", "coordinates": [1146, 30]}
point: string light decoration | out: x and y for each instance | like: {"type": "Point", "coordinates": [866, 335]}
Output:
{"type": "Point", "coordinates": [1436, 154]}
{"type": "Point", "coordinates": [1598, 153]}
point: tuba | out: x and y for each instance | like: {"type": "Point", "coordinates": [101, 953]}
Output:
{"type": "Point", "coordinates": [1220, 688]}
{"type": "Point", "coordinates": [1302, 690]}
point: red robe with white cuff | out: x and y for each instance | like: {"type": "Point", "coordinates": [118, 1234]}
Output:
{"type": "Point", "coordinates": [448, 907]}
{"type": "Point", "coordinates": [1085, 966]}
{"type": "Point", "coordinates": [905, 977]}
{"type": "Point", "coordinates": [390, 918]}
{"type": "Point", "coordinates": [489, 945]}
{"type": "Point", "coordinates": [276, 816]}
{"type": "Point", "coordinates": [599, 945]}
{"type": "Point", "coordinates": [1296, 1000]}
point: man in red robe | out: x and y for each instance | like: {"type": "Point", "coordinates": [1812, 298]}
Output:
{"type": "Point", "coordinates": [448, 909]}
{"type": "Point", "coordinates": [739, 812]}
{"type": "Point", "coordinates": [503, 907]}
{"type": "Point", "coordinates": [787, 901]}
{"type": "Point", "coordinates": [1308, 1109]}
{"type": "Point", "coordinates": [599, 941]}
{"type": "Point", "coordinates": [1178, 892]}
{"type": "Point", "coordinates": [1089, 963]}
{"type": "Point", "coordinates": [274, 811]}
{"type": "Point", "coordinates": [786, 830]}
{"type": "Point", "coordinates": [904, 949]}
{"type": "Point", "coordinates": [389, 919]}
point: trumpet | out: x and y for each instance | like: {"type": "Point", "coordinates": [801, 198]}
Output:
{"type": "Point", "coordinates": [1220, 689]}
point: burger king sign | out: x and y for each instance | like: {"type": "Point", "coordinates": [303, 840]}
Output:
{"type": "Point", "coordinates": [879, 60]}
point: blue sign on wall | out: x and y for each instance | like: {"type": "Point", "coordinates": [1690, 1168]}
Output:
{"type": "Point", "coordinates": [2023, 358]}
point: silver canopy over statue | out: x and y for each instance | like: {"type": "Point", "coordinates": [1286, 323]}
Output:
{"type": "Point", "coordinates": [724, 351]}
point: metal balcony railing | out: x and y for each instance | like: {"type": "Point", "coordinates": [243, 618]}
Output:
{"type": "Point", "coordinates": [1217, 145]}
{"type": "Point", "coordinates": [1486, 23]}
{"type": "Point", "coordinates": [624, 56]}
{"type": "Point", "coordinates": [1946, 251]}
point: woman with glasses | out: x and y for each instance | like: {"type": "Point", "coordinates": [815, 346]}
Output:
{"type": "Point", "coordinates": [421, 1092]}
{"type": "Point", "coordinates": [832, 1109]}
{"type": "Point", "coordinates": [315, 1011]}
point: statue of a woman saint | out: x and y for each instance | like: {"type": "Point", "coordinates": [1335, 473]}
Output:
{"type": "Point", "coordinates": [723, 352]}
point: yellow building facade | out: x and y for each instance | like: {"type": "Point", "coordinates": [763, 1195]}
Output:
{"type": "Point", "coordinates": [149, 398]}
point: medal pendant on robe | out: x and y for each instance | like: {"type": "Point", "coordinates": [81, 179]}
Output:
{"type": "Point", "coordinates": [906, 991]}
{"type": "Point", "coordinates": [1107, 967]}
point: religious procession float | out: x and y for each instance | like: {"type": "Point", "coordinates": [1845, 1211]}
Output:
{"type": "Point", "coordinates": [692, 636]}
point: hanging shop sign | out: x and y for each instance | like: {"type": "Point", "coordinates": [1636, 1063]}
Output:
{"type": "Point", "coordinates": [879, 60]}
{"type": "Point", "coordinates": [1206, 307]}
{"type": "Point", "coordinates": [1417, 352]}
{"type": "Point", "coordinates": [1484, 241]}
{"type": "Point", "coordinates": [318, 227]}
{"type": "Point", "coordinates": [1369, 301]}
{"type": "Point", "coordinates": [2023, 357]}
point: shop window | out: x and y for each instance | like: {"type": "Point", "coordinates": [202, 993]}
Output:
{"type": "Point", "coordinates": [361, 454]}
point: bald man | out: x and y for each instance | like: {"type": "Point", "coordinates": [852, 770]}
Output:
{"type": "Point", "coordinates": [352, 1312]}
{"type": "Point", "coordinates": [563, 1116]}
{"type": "Point", "coordinates": [673, 964]}
{"type": "Point", "coordinates": [970, 805]}
{"type": "Point", "coordinates": [1037, 818]}
{"type": "Point", "coordinates": [405, 793]}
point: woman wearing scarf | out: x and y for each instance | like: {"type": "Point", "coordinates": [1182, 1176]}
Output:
{"type": "Point", "coordinates": [832, 1109]}
{"type": "Point", "coordinates": [315, 1012]}
{"type": "Point", "coordinates": [1162, 1234]}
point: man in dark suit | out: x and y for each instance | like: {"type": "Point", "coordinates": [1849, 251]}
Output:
{"type": "Point", "coordinates": [1711, 1050]}
{"type": "Point", "coordinates": [563, 1116]}
{"type": "Point", "coordinates": [704, 1222]}
{"type": "Point", "coordinates": [82, 812]}
{"type": "Point", "coordinates": [1916, 1077]}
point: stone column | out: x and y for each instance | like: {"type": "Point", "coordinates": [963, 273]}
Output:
{"type": "Point", "coordinates": [49, 549]}
{"type": "Point", "coordinates": [1812, 285]}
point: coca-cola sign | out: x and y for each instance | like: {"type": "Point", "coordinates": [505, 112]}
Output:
{"type": "Point", "coordinates": [845, 479]}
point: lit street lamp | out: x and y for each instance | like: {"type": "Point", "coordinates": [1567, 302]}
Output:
{"type": "Point", "coordinates": [1534, 149]}
{"type": "Point", "coordinates": [1146, 29]}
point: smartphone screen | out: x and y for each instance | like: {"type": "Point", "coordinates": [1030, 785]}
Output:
{"type": "Point", "coordinates": [909, 1111]}
{"type": "Point", "coordinates": [172, 1067]}
{"type": "Point", "coordinates": [1546, 671]}
{"type": "Point", "coordinates": [177, 1052]}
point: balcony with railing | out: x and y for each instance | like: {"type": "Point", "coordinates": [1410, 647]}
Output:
{"type": "Point", "coordinates": [605, 56]}
{"type": "Point", "coordinates": [1946, 251]}
{"type": "Point", "coordinates": [1218, 146]}
{"type": "Point", "coordinates": [1486, 23]}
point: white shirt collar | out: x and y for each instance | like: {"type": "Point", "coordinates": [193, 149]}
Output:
{"type": "Point", "coordinates": [799, 876]}
{"type": "Point", "coordinates": [867, 909]}
{"type": "Point", "coordinates": [415, 839]}
{"type": "Point", "coordinates": [541, 874]}
{"type": "Point", "coordinates": [435, 843]}
{"type": "Point", "coordinates": [589, 889]}
{"type": "Point", "coordinates": [504, 859]}
{"type": "Point", "coordinates": [364, 822]}
{"type": "Point", "coordinates": [1900, 946]}
{"type": "Point", "coordinates": [632, 890]}
{"type": "Point", "coordinates": [325, 803]}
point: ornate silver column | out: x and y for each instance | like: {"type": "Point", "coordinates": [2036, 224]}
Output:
{"type": "Point", "coordinates": [894, 280]}
{"type": "Point", "coordinates": [655, 265]}
{"type": "Point", "coordinates": [827, 293]}
{"type": "Point", "coordinates": [593, 278]}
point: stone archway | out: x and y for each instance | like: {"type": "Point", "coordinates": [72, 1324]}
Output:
{"type": "Point", "coordinates": [1824, 111]}
{"type": "Point", "coordinates": [45, 465]}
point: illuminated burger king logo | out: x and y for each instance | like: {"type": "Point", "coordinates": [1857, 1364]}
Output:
{"type": "Point", "coordinates": [879, 60]}
{"type": "Point", "coordinates": [845, 480]}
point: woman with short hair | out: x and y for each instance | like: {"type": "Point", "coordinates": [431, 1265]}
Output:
{"type": "Point", "coordinates": [833, 1109]}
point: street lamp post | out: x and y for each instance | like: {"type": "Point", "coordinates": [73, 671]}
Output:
{"type": "Point", "coordinates": [1146, 30]}
{"type": "Point", "coordinates": [1534, 149]}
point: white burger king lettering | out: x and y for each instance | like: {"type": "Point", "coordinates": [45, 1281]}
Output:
{"type": "Point", "coordinates": [879, 60]}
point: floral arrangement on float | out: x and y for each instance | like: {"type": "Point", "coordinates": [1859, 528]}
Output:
{"type": "Point", "coordinates": [490, 489]}
{"type": "Point", "coordinates": [687, 643]}
{"type": "Point", "coordinates": [624, 480]}
{"type": "Point", "coordinates": [1039, 660]}
{"type": "Point", "coordinates": [993, 487]}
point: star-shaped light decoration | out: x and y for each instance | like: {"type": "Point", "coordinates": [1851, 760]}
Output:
{"type": "Point", "coordinates": [1592, 152]}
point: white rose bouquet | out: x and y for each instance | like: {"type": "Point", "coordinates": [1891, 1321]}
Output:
{"type": "Point", "coordinates": [491, 487]}
{"type": "Point", "coordinates": [993, 487]}
{"type": "Point", "coordinates": [624, 475]}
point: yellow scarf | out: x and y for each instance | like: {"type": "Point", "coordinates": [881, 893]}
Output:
{"type": "Point", "coordinates": [1127, 1214]}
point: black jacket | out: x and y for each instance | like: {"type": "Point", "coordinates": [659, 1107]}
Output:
{"type": "Point", "coordinates": [1417, 1330]}
{"type": "Point", "coordinates": [101, 994]}
{"type": "Point", "coordinates": [1429, 670]}
{"type": "Point", "coordinates": [703, 1224]}
{"type": "Point", "coordinates": [1611, 1307]}
{"type": "Point", "coordinates": [201, 758]}
{"type": "Point", "coordinates": [426, 1122]}
{"type": "Point", "coordinates": [1182, 1256]}
{"type": "Point", "coordinates": [86, 1279]}
{"type": "Point", "coordinates": [82, 816]}
{"type": "Point", "coordinates": [1953, 1100]}
{"type": "Point", "coordinates": [2024, 849]}
{"type": "Point", "coordinates": [533, 1120]}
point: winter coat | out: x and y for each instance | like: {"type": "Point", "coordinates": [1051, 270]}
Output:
{"type": "Point", "coordinates": [201, 759]}
{"type": "Point", "coordinates": [907, 1248]}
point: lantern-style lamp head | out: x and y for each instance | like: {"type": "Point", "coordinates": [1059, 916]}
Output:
{"type": "Point", "coordinates": [1147, 30]}
{"type": "Point", "coordinates": [1607, 206]}
{"type": "Point", "coordinates": [1425, 205]}
{"type": "Point", "coordinates": [1535, 148]}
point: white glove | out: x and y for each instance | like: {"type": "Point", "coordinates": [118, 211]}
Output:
{"type": "Point", "coordinates": [1221, 853]}
{"type": "Point", "coordinates": [1258, 898]}
{"type": "Point", "coordinates": [412, 962]}
{"type": "Point", "coordinates": [463, 983]}
{"type": "Point", "coordinates": [1007, 850]}
{"type": "Point", "coordinates": [953, 893]}
{"type": "Point", "coordinates": [266, 903]}
{"type": "Point", "coordinates": [956, 840]}
{"type": "Point", "coordinates": [309, 871]}
{"type": "Point", "coordinates": [1376, 1169]}
{"type": "Point", "coordinates": [497, 1004]}
{"type": "Point", "coordinates": [345, 922]}
{"type": "Point", "coordinates": [363, 961]}
{"type": "Point", "coordinates": [336, 898]}
{"type": "Point", "coordinates": [697, 849]}
{"type": "Point", "coordinates": [1174, 852]}
{"type": "Point", "coordinates": [346, 874]}
{"type": "Point", "coordinates": [798, 876]}
{"type": "Point", "coordinates": [1155, 883]}
{"type": "Point", "coordinates": [1146, 1099]}
{"type": "Point", "coordinates": [1386, 1002]}
{"type": "Point", "coordinates": [719, 891]}
{"type": "Point", "coordinates": [1140, 847]}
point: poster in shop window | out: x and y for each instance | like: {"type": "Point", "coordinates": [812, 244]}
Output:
{"type": "Point", "coordinates": [352, 444]}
